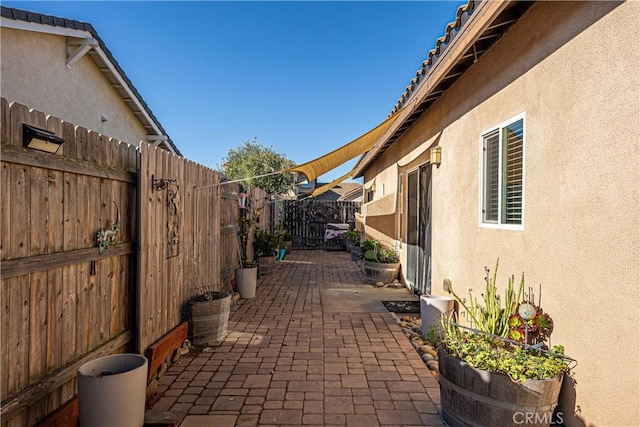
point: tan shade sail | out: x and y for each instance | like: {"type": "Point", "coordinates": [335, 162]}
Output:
{"type": "Point", "coordinates": [318, 191]}
{"type": "Point", "coordinates": [332, 160]}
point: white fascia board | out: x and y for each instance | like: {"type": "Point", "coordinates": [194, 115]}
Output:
{"type": "Point", "coordinates": [43, 28]}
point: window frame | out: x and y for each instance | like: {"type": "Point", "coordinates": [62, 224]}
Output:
{"type": "Point", "coordinates": [481, 188]}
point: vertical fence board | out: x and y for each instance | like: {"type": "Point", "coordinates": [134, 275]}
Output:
{"type": "Point", "coordinates": [5, 122]}
{"type": "Point", "coordinates": [55, 208]}
{"type": "Point", "coordinates": [69, 149]}
{"type": "Point", "coordinates": [5, 211]}
{"type": "Point", "coordinates": [19, 115]}
{"type": "Point", "coordinates": [37, 317]}
{"type": "Point", "coordinates": [55, 314]}
{"type": "Point", "coordinates": [5, 325]}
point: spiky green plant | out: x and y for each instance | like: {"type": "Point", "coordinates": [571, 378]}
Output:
{"type": "Point", "coordinates": [491, 317]}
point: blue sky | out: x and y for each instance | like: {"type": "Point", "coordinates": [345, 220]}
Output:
{"type": "Point", "coordinates": [302, 77]}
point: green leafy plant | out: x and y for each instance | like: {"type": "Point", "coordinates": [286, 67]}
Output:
{"type": "Point", "coordinates": [491, 317]}
{"type": "Point", "coordinates": [496, 355]}
{"type": "Point", "coordinates": [372, 250]}
{"type": "Point", "coordinates": [353, 236]}
{"type": "Point", "coordinates": [433, 336]}
{"type": "Point", "coordinates": [267, 243]}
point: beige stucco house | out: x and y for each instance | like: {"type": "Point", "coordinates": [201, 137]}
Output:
{"type": "Point", "coordinates": [534, 111]}
{"type": "Point", "coordinates": [62, 67]}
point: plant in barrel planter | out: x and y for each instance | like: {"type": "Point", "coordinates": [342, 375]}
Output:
{"type": "Point", "coordinates": [489, 379]}
{"type": "Point", "coordinates": [381, 264]}
{"type": "Point", "coordinates": [208, 315]}
{"type": "Point", "coordinates": [352, 242]}
{"type": "Point", "coordinates": [266, 245]}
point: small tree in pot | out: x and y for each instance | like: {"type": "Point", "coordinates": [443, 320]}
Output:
{"type": "Point", "coordinates": [266, 245]}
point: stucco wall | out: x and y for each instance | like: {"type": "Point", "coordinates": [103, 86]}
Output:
{"type": "Point", "coordinates": [34, 73]}
{"type": "Point", "coordinates": [573, 70]}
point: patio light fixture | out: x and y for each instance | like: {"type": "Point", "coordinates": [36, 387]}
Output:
{"type": "Point", "coordinates": [40, 139]}
{"type": "Point", "coordinates": [435, 155]}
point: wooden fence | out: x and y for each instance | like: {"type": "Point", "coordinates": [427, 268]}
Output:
{"type": "Point", "coordinates": [306, 220]}
{"type": "Point", "coordinates": [63, 302]}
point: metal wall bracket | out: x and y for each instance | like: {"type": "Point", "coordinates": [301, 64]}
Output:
{"type": "Point", "coordinates": [160, 184]}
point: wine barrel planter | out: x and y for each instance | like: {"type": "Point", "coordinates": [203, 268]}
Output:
{"type": "Point", "coordinates": [377, 272]}
{"type": "Point", "coordinates": [475, 397]}
{"type": "Point", "coordinates": [210, 317]}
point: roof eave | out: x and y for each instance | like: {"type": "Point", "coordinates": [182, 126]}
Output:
{"type": "Point", "coordinates": [102, 58]}
{"type": "Point", "coordinates": [418, 99]}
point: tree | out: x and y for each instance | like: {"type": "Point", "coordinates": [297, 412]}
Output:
{"type": "Point", "coordinates": [254, 159]}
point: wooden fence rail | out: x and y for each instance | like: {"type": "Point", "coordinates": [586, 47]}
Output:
{"type": "Point", "coordinates": [63, 302]}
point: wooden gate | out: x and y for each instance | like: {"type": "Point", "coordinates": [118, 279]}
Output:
{"type": "Point", "coordinates": [306, 220]}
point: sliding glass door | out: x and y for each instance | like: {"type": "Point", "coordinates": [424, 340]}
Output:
{"type": "Point", "coordinates": [418, 238]}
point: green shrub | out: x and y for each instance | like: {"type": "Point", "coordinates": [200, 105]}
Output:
{"type": "Point", "coordinates": [266, 243]}
{"type": "Point", "coordinates": [373, 251]}
{"type": "Point", "coordinates": [354, 236]}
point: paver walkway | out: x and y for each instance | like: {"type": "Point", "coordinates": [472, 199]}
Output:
{"type": "Point", "coordinates": [286, 362]}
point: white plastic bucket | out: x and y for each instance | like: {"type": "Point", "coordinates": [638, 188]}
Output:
{"type": "Point", "coordinates": [112, 391]}
{"type": "Point", "coordinates": [246, 281]}
{"type": "Point", "coordinates": [431, 309]}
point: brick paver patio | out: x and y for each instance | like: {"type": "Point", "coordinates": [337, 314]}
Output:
{"type": "Point", "coordinates": [286, 362]}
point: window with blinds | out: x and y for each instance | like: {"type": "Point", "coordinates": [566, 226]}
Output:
{"type": "Point", "coordinates": [503, 172]}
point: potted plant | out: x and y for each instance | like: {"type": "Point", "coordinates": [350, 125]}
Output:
{"type": "Point", "coordinates": [489, 379]}
{"type": "Point", "coordinates": [287, 243]}
{"type": "Point", "coordinates": [352, 241]}
{"type": "Point", "coordinates": [208, 315]}
{"type": "Point", "coordinates": [246, 274]}
{"type": "Point", "coordinates": [381, 264]}
{"type": "Point", "coordinates": [266, 245]}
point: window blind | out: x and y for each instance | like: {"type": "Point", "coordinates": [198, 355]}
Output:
{"type": "Point", "coordinates": [492, 176]}
{"type": "Point", "coordinates": [512, 145]}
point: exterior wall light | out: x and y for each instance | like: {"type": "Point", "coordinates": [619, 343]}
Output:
{"type": "Point", "coordinates": [435, 155]}
{"type": "Point", "coordinates": [40, 139]}
{"type": "Point", "coordinates": [373, 186]}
